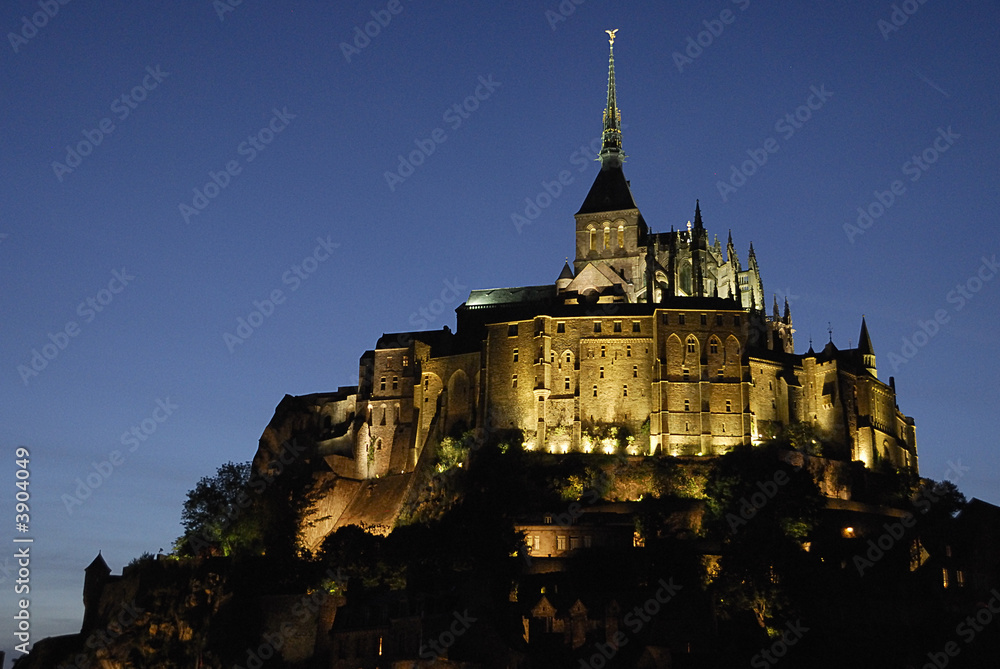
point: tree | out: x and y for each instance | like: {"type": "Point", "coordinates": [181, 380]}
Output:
{"type": "Point", "coordinates": [219, 515]}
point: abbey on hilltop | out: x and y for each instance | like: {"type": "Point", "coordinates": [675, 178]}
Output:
{"type": "Point", "coordinates": [656, 344]}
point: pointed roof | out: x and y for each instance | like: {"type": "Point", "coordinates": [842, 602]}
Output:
{"type": "Point", "coordinates": [99, 563]}
{"type": "Point", "coordinates": [566, 272]}
{"type": "Point", "coordinates": [697, 215]}
{"type": "Point", "coordinates": [864, 341]}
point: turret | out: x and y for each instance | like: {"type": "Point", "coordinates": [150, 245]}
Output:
{"type": "Point", "coordinates": [565, 278]}
{"type": "Point", "coordinates": [866, 350]}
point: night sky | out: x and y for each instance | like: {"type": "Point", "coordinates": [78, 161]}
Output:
{"type": "Point", "coordinates": [171, 168]}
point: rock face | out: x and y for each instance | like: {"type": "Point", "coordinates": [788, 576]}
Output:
{"type": "Point", "coordinates": [187, 613]}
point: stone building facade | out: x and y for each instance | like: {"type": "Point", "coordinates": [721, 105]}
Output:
{"type": "Point", "coordinates": [655, 343]}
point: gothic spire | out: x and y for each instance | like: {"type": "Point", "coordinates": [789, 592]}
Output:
{"type": "Point", "coordinates": [697, 215]}
{"type": "Point", "coordinates": [866, 349]}
{"type": "Point", "coordinates": [611, 148]}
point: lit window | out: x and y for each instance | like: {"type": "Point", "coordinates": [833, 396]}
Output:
{"type": "Point", "coordinates": [944, 577]}
{"type": "Point", "coordinates": [515, 355]}
{"type": "Point", "coordinates": [621, 236]}
{"type": "Point", "coordinates": [607, 237]}
{"type": "Point", "coordinates": [381, 383]}
{"type": "Point", "coordinates": [960, 578]}
{"type": "Point", "coordinates": [406, 361]}
{"type": "Point", "coordinates": [560, 542]}
{"type": "Point", "coordinates": [548, 519]}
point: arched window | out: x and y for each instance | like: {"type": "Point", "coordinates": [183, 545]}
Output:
{"type": "Point", "coordinates": [607, 237]}
{"type": "Point", "coordinates": [713, 346]}
{"type": "Point", "coordinates": [691, 344]}
{"type": "Point", "coordinates": [621, 236]}
{"type": "Point", "coordinates": [593, 239]}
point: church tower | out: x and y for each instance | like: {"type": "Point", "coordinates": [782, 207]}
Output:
{"type": "Point", "coordinates": [610, 264]}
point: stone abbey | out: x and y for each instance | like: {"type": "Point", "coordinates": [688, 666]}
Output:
{"type": "Point", "coordinates": [651, 344]}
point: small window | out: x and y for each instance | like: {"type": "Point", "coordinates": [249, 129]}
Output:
{"type": "Point", "coordinates": [395, 383]}
{"type": "Point", "coordinates": [736, 321]}
{"type": "Point", "coordinates": [603, 350]}
{"type": "Point", "coordinates": [713, 346]}
{"type": "Point", "coordinates": [406, 361]}
{"type": "Point", "coordinates": [621, 236]}
{"type": "Point", "coordinates": [944, 580]}
{"type": "Point", "coordinates": [607, 238]}
{"type": "Point", "coordinates": [635, 371]}
{"type": "Point", "coordinates": [625, 391]}
{"type": "Point", "coordinates": [704, 319]}
{"type": "Point", "coordinates": [560, 542]}
{"type": "Point", "coordinates": [691, 344]}
{"type": "Point", "coordinates": [665, 319]}
{"type": "Point", "coordinates": [729, 406]}
{"type": "Point", "coordinates": [427, 382]}
{"type": "Point", "coordinates": [602, 372]}
{"type": "Point", "coordinates": [561, 327]}
{"type": "Point", "coordinates": [636, 327]}
{"type": "Point", "coordinates": [628, 351]}
{"type": "Point", "coordinates": [597, 326]}
{"type": "Point", "coordinates": [381, 383]}
{"type": "Point", "coordinates": [595, 391]}
{"type": "Point", "coordinates": [687, 374]}
{"type": "Point", "coordinates": [722, 373]}
{"type": "Point", "coordinates": [960, 578]}
{"type": "Point", "coordinates": [680, 319]}
{"type": "Point", "coordinates": [548, 519]}
{"type": "Point", "coordinates": [552, 356]}
{"type": "Point", "coordinates": [512, 330]}
{"type": "Point", "coordinates": [687, 405]}
{"type": "Point", "coordinates": [569, 358]}
{"type": "Point", "coordinates": [718, 319]}
{"type": "Point", "coordinates": [618, 326]}
{"type": "Point", "coordinates": [593, 239]}
{"type": "Point", "coordinates": [513, 381]}
{"type": "Point", "coordinates": [566, 383]}
{"type": "Point", "coordinates": [515, 355]}
{"type": "Point", "coordinates": [587, 541]}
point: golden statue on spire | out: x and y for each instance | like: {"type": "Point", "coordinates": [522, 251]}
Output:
{"type": "Point", "coordinates": [611, 36]}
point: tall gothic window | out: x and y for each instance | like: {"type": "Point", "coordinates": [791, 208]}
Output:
{"type": "Point", "coordinates": [607, 237]}
{"type": "Point", "coordinates": [621, 236]}
{"type": "Point", "coordinates": [593, 239]}
{"type": "Point", "coordinates": [691, 344]}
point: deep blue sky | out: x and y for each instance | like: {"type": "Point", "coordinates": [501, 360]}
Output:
{"type": "Point", "coordinates": [323, 176]}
